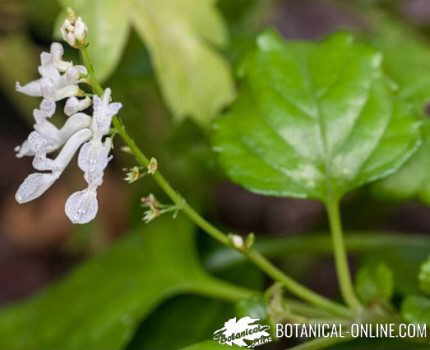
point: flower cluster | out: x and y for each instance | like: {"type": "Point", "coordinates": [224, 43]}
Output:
{"type": "Point", "coordinates": [60, 80]}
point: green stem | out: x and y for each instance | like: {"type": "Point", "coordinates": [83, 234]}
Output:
{"type": "Point", "coordinates": [92, 80]}
{"type": "Point", "coordinates": [341, 259]}
{"type": "Point", "coordinates": [293, 286]}
{"type": "Point", "coordinates": [320, 343]}
{"type": "Point", "coordinates": [320, 243]}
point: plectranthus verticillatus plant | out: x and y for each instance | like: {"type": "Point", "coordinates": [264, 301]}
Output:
{"type": "Point", "coordinates": [88, 134]}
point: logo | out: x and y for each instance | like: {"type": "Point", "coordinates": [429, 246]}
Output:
{"type": "Point", "coordinates": [246, 332]}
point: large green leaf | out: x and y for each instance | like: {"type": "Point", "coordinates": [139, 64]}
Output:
{"type": "Point", "coordinates": [195, 79]}
{"type": "Point", "coordinates": [314, 120]}
{"type": "Point", "coordinates": [181, 36]}
{"type": "Point", "coordinates": [100, 304]}
{"type": "Point", "coordinates": [108, 28]}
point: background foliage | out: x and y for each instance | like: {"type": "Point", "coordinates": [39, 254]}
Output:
{"type": "Point", "coordinates": [176, 65]}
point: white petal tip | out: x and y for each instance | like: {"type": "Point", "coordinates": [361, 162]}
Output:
{"type": "Point", "coordinates": [33, 187]}
{"type": "Point", "coordinates": [82, 206]}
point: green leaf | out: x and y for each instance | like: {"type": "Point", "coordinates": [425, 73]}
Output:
{"type": "Point", "coordinates": [412, 181]}
{"type": "Point", "coordinates": [108, 27]}
{"type": "Point", "coordinates": [211, 345]}
{"type": "Point", "coordinates": [169, 319]}
{"type": "Point", "coordinates": [180, 35]}
{"type": "Point", "coordinates": [254, 307]}
{"type": "Point", "coordinates": [416, 309]}
{"type": "Point", "coordinates": [314, 120]}
{"type": "Point", "coordinates": [99, 305]}
{"type": "Point", "coordinates": [375, 283]}
{"type": "Point", "coordinates": [424, 277]}
{"type": "Point", "coordinates": [403, 47]}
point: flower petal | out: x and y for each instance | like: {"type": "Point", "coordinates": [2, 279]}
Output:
{"type": "Point", "coordinates": [38, 143]}
{"type": "Point", "coordinates": [75, 105]}
{"type": "Point", "coordinates": [103, 112]}
{"type": "Point", "coordinates": [82, 206]}
{"type": "Point", "coordinates": [72, 145]}
{"type": "Point", "coordinates": [24, 150]}
{"type": "Point", "coordinates": [33, 88]}
{"type": "Point", "coordinates": [57, 52]}
{"type": "Point", "coordinates": [34, 186]}
{"type": "Point", "coordinates": [75, 123]}
{"type": "Point", "coordinates": [93, 159]}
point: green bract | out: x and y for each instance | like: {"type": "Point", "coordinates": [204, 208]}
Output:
{"type": "Point", "coordinates": [314, 120]}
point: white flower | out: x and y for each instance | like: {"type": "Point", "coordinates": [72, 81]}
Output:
{"type": "Point", "coordinates": [75, 105]}
{"type": "Point", "coordinates": [59, 79]}
{"type": "Point", "coordinates": [74, 30]}
{"type": "Point", "coordinates": [79, 132]}
{"type": "Point", "coordinates": [37, 183]}
{"type": "Point", "coordinates": [47, 137]}
{"type": "Point", "coordinates": [81, 207]}
{"type": "Point", "coordinates": [104, 110]}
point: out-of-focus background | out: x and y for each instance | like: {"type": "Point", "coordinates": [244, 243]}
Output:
{"type": "Point", "coordinates": [37, 243]}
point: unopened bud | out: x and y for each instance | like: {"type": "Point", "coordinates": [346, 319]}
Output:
{"type": "Point", "coordinates": [249, 241]}
{"type": "Point", "coordinates": [74, 30]}
{"type": "Point", "coordinates": [237, 241]}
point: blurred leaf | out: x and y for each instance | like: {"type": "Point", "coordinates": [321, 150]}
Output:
{"type": "Point", "coordinates": [195, 79]}
{"type": "Point", "coordinates": [416, 309]}
{"type": "Point", "coordinates": [180, 35]}
{"type": "Point", "coordinates": [42, 15]}
{"type": "Point", "coordinates": [403, 47]}
{"type": "Point", "coordinates": [406, 57]}
{"type": "Point", "coordinates": [424, 276]}
{"type": "Point", "coordinates": [18, 57]}
{"type": "Point", "coordinates": [245, 274]}
{"type": "Point", "coordinates": [412, 180]}
{"type": "Point", "coordinates": [211, 345]}
{"type": "Point", "coordinates": [108, 27]}
{"type": "Point", "coordinates": [169, 319]}
{"type": "Point", "coordinates": [313, 120]}
{"type": "Point", "coordinates": [254, 307]}
{"type": "Point", "coordinates": [99, 306]}
{"type": "Point", "coordinates": [375, 283]}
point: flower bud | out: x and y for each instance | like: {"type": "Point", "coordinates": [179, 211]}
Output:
{"type": "Point", "coordinates": [74, 30]}
{"type": "Point", "coordinates": [237, 241]}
